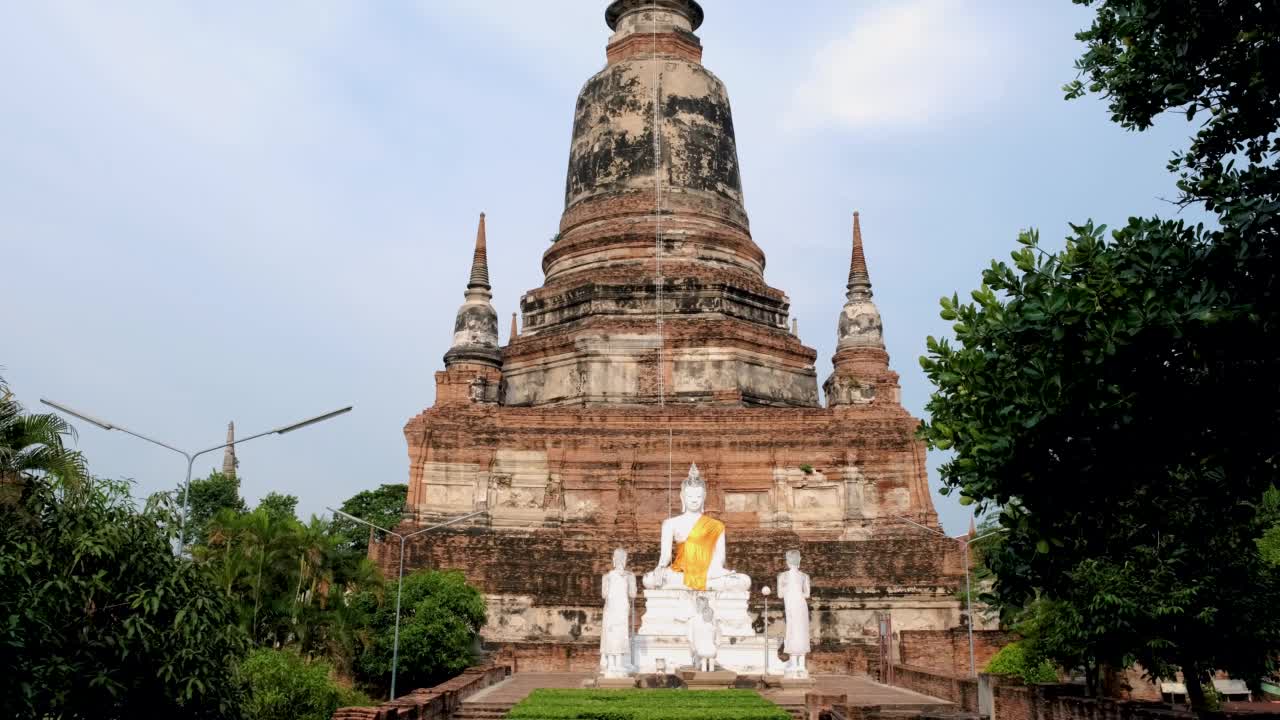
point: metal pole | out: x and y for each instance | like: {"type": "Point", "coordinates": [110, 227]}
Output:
{"type": "Point", "coordinates": [765, 672]}
{"type": "Point", "coordinates": [191, 458]}
{"type": "Point", "coordinates": [395, 644]}
{"type": "Point", "coordinates": [186, 503]}
{"type": "Point", "coordinates": [968, 604]}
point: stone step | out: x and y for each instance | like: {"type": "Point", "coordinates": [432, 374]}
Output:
{"type": "Point", "coordinates": [470, 712]}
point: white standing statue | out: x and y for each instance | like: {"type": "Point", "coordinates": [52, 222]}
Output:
{"type": "Point", "coordinates": [793, 586]}
{"type": "Point", "coordinates": [704, 637]}
{"type": "Point", "coordinates": [697, 562]}
{"type": "Point", "coordinates": [618, 588]}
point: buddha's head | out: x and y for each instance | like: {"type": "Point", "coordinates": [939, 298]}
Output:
{"type": "Point", "coordinates": [619, 559]}
{"type": "Point", "coordinates": [793, 559]}
{"type": "Point", "coordinates": [693, 491]}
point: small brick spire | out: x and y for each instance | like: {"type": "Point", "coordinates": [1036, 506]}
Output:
{"type": "Point", "coordinates": [859, 278]}
{"type": "Point", "coordinates": [515, 328]}
{"type": "Point", "coordinates": [475, 330]}
{"type": "Point", "coordinates": [229, 454]}
{"type": "Point", "coordinates": [480, 262]}
{"type": "Point", "coordinates": [973, 528]}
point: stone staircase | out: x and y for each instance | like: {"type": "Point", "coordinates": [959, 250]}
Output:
{"type": "Point", "coordinates": [482, 711]}
{"type": "Point", "coordinates": [796, 711]}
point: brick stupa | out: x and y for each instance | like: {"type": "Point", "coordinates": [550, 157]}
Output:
{"type": "Point", "coordinates": [655, 342]}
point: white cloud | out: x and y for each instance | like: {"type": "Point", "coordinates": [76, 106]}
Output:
{"type": "Point", "coordinates": [906, 64]}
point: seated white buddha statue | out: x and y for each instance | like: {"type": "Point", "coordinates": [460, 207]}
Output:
{"type": "Point", "coordinates": [698, 561]}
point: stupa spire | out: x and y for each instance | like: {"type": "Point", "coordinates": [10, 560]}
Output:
{"type": "Point", "coordinates": [475, 330]}
{"type": "Point", "coordinates": [229, 453]}
{"type": "Point", "coordinates": [480, 260]}
{"type": "Point", "coordinates": [515, 328]}
{"type": "Point", "coordinates": [860, 320]}
{"type": "Point", "coordinates": [859, 278]}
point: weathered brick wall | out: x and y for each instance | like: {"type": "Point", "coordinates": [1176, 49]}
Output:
{"type": "Point", "coordinates": [959, 689]}
{"type": "Point", "coordinates": [1066, 702]}
{"type": "Point", "coordinates": [546, 656]}
{"type": "Point", "coordinates": [543, 585]}
{"type": "Point", "coordinates": [436, 703]}
{"type": "Point", "coordinates": [848, 659]}
{"type": "Point", "coordinates": [1012, 702]}
{"type": "Point", "coordinates": [563, 567]}
{"type": "Point", "coordinates": [948, 650]}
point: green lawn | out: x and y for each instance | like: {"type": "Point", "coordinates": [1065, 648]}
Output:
{"type": "Point", "coordinates": [646, 705]}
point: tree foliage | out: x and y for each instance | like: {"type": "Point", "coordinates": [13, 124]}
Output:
{"type": "Point", "coordinates": [210, 496]}
{"type": "Point", "coordinates": [1269, 543]}
{"type": "Point", "coordinates": [382, 507]}
{"type": "Point", "coordinates": [441, 616]}
{"type": "Point", "coordinates": [1013, 659]}
{"type": "Point", "coordinates": [34, 444]}
{"type": "Point", "coordinates": [279, 505]}
{"type": "Point", "coordinates": [1117, 400]}
{"type": "Point", "coordinates": [294, 584]}
{"type": "Point", "coordinates": [283, 685]}
{"type": "Point", "coordinates": [101, 620]}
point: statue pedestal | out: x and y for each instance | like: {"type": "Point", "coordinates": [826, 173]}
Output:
{"type": "Point", "coordinates": [663, 636]}
{"type": "Point", "coordinates": [667, 612]}
{"type": "Point", "coordinates": [716, 680]}
{"type": "Point", "coordinates": [615, 683]}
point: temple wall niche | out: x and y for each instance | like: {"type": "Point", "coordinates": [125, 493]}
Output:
{"type": "Point", "coordinates": [450, 486]}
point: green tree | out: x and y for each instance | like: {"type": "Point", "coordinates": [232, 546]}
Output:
{"type": "Point", "coordinates": [279, 505]}
{"type": "Point", "coordinates": [1013, 659]}
{"type": "Point", "coordinates": [1117, 399]}
{"type": "Point", "coordinates": [382, 507]}
{"type": "Point", "coordinates": [441, 617]}
{"type": "Point", "coordinates": [102, 620]}
{"type": "Point", "coordinates": [294, 585]}
{"type": "Point", "coordinates": [1269, 543]}
{"type": "Point", "coordinates": [282, 685]}
{"type": "Point", "coordinates": [33, 445]}
{"type": "Point", "coordinates": [210, 496]}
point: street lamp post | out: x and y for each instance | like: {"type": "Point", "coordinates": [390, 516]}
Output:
{"type": "Point", "coordinates": [968, 591]}
{"type": "Point", "coordinates": [190, 456]}
{"type": "Point", "coordinates": [395, 643]}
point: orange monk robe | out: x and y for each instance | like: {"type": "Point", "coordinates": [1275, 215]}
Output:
{"type": "Point", "coordinates": [693, 556]}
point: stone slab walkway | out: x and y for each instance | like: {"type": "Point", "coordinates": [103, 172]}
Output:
{"type": "Point", "coordinates": [861, 690]}
{"type": "Point", "coordinates": [518, 686]}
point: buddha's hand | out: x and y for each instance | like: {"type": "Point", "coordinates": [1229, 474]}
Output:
{"type": "Point", "coordinates": [655, 579]}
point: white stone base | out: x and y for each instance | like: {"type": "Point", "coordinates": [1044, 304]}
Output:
{"type": "Point", "coordinates": [662, 644]}
{"type": "Point", "coordinates": [667, 612]}
{"type": "Point", "coordinates": [745, 656]}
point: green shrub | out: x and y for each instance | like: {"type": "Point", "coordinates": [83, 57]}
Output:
{"type": "Point", "coordinates": [646, 705]}
{"type": "Point", "coordinates": [441, 617]}
{"type": "Point", "coordinates": [1013, 659]}
{"type": "Point", "coordinates": [98, 617]}
{"type": "Point", "coordinates": [282, 685]}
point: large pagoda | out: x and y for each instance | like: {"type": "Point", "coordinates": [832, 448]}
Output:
{"type": "Point", "coordinates": [653, 343]}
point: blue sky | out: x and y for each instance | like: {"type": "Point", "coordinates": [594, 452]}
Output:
{"type": "Point", "coordinates": [260, 212]}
